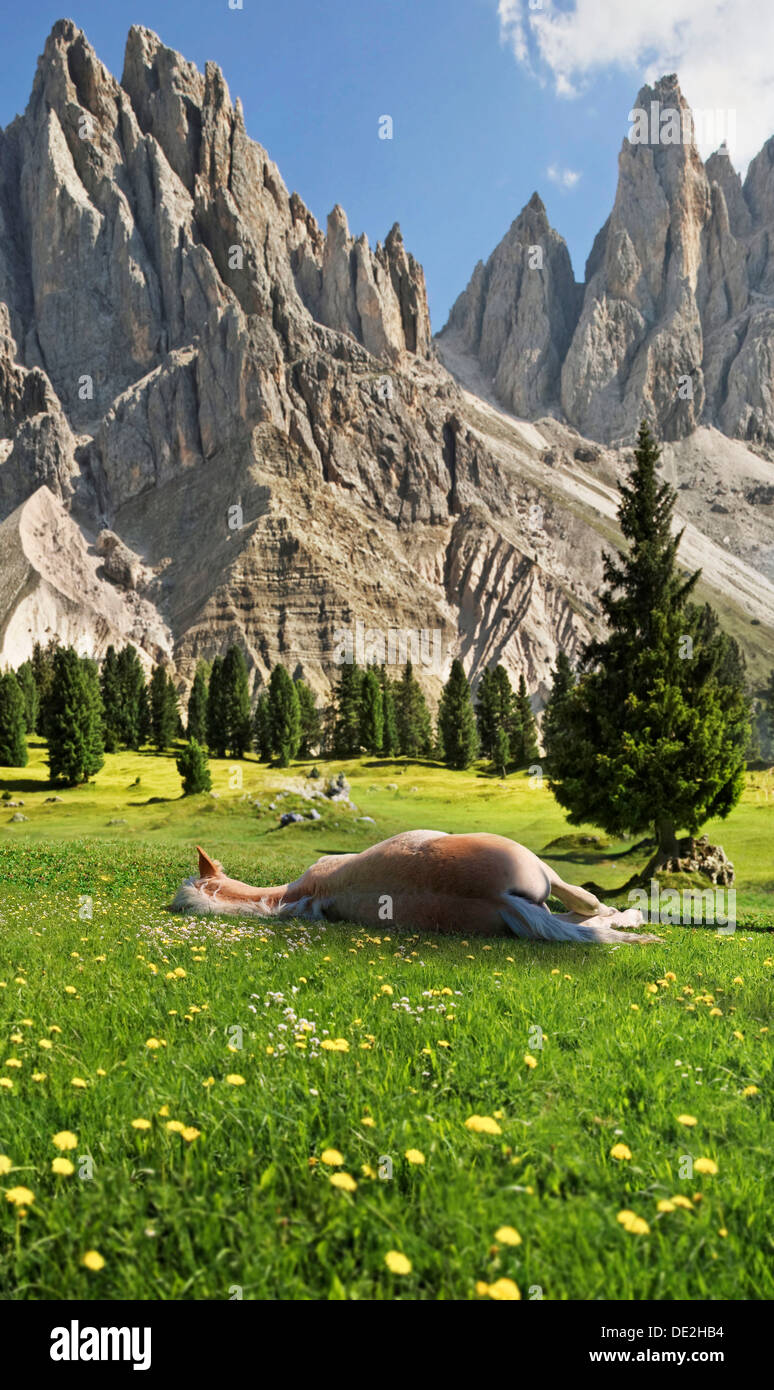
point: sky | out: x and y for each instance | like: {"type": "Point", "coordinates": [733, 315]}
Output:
{"type": "Point", "coordinates": [490, 100]}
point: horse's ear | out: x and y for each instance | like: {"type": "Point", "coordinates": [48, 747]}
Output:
{"type": "Point", "coordinates": [208, 868]}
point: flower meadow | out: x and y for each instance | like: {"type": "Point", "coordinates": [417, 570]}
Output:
{"type": "Point", "coordinates": [222, 1109]}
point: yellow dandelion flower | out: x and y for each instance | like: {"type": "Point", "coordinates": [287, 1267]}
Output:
{"type": "Point", "coordinates": [722, 1231]}
{"type": "Point", "coordinates": [651, 989]}
{"type": "Point", "coordinates": [65, 1139]}
{"type": "Point", "coordinates": [344, 1181]}
{"type": "Point", "coordinates": [39, 1075]}
{"type": "Point", "coordinates": [482, 1124]}
{"type": "Point", "coordinates": [175, 1126]}
{"type": "Point", "coordinates": [368, 1121]}
{"type": "Point", "coordinates": [209, 1082]}
{"type": "Point", "coordinates": [164, 1110]}
{"type": "Point", "coordinates": [386, 989]}
{"type": "Point", "coordinates": [6, 1083]}
{"type": "Point", "coordinates": [680, 1201]}
{"type": "Point", "coordinates": [234, 1079]}
{"type": "Point", "coordinates": [397, 1263]}
{"type": "Point", "coordinates": [507, 1235]}
{"type": "Point", "coordinates": [79, 1083]}
{"type": "Point", "coordinates": [716, 1013]}
{"type": "Point", "coordinates": [635, 1007]}
{"type": "Point", "coordinates": [152, 1043]}
{"type": "Point", "coordinates": [63, 1166]}
{"type": "Point", "coordinates": [367, 1170]}
{"type": "Point", "coordinates": [331, 1157]}
{"type": "Point", "coordinates": [529, 1060]}
{"type": "Point", "coordinates": [415, 1156]}
{"type": "Point", "coordinates": [750, 1091]}
{"type": "Point", "coordinates": [13, 1062]}
{"type": "Point", "coordinates": [665, 1205]}
{"type": "Point", "coordinates": [45, 1043]}
{"type": "Point", "coordinates": [93, 1261]}
{"type": "Point", "coordinates": [705, 1165]}
{"type": "Point", "coordinates": [6, 1164]}
{"type": "Point", "coordinates": [20, 1196]}
{"type": "Point", "coordinates": [634, 1224]}
{"type": "Point", "coordinates": [70, 989]}
{"type": "Point", "coordinates": [17, 1038]}
{"type": "Point", "coordinates": [504, 1290]}
{"type": "Point", "coordinates": [687, 1120]}
{"type": "Point", "coordinates": [190, 1133]}
{"type": "Point", "coordinates": [141, 1124]}
{"type": "Point", "coordinates": [620, 1151]}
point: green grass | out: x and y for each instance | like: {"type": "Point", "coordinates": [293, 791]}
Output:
{"type": "Point", "coordinates": [245, 1204]}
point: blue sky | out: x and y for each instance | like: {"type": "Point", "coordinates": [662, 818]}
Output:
{"type": "Point", "coordinates": [481, 105]}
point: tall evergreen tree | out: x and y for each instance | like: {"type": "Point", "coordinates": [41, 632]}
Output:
{"type": "Point", "coordinates": [486, 713]}
{"type": "Point", "coordinates": [415, 732]}
{"type": "Point", "coordinates": [134, 711]}
{"type": "Point", "coordinates": [43, 673]}
{"type": "Point", "coordinates": [29, 690]}
{"type": "Point", "coordinates": [217, 711]}
{"type": "Point", "coordinates": [13, 723]}
{"type": "Point", "coordinates": [236, 700]}
{"type": "Point", "coordinates": [197, 705]}
{"type": "Point", "coordinates": [309, 716]}
{"type": "Point", "coordinates": [654, 732]}
{"type": "Point", "coordinates": [73, 718]}
{"type": "Point", "coordinates": [457, 720]}
{"type": "Point", "coordinates": [524, 744]}
{"type": "Point", "coordinates": [562, 682]}
{"type": "Point", "coordinates": [390, 743]}
{"type": "Point", "coordinates": [501, 753]}
{"type": "Point", "coordinates": [284, 716]}
{"type": "Point", "coordinates": [371, 712]}
{"type": "Point", "coordinates": [163, 709]}
{"type": "Point", "coordinates": [262, 727]}
{"type": "Point", "coordinates": [112, 700]}
{"type": "Point", "coordinates": [347, 702]}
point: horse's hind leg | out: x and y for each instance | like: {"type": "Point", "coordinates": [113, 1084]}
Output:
{"type": "Point", "coordinates": [579, 900]}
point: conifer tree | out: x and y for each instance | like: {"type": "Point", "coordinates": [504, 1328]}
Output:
{"type": "Point", "coordinates": [390, 743]}
{"type": "Point", "coordinates": [236, 701]}
{"type": "Point", "coordinates": [197, 705]}
{"type": "Point", "coordinates": [562, 682]}
{"type": "Point", "coordinates": [163, 709]}
{"type": "Point", "coordinates": [501, 753]}
{"type": "Point", "coordinates": [347, 704]}
{"type": "Point", "coordinates": [13, 745]}
{"type": "Point", "coordinates": [654, 732]}
{"type": "Point", "coordinates": [134, 711]}
{"type": "Point", "coordinates": [29, 690]}
{"type": "Point", "coordinates": [371, 712]}
{"type": "Point", "coordinates": [524, 744]}
{"type": "Point", "coordinates": [43, 673]}
{"type": "Point", "coordinates": [193, 768]}
{"type": "Point", "coordinates": [486, 713]}
{"type": "Point", "coordinates": [284, 716]}
{"type": "Point", "coordinates": [457, 720]}
{"type": "Point", "coordinates": [112, 700]}
{"type": "Point", "coordinates": [262, 727]}
{"type": "Point", "coordinates": [73, 718]}
{"type": "Point", "coordinates": [309, 720]}
{"type": "Point", "coordinates": [217, 713]}
{"type": "Point", "coordinates": [415, 733]}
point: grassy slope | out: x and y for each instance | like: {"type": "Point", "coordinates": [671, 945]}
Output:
{"type": "Point", "coordinates": [242, 1204]}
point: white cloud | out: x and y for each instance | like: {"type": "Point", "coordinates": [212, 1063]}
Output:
{"type": "Point", "coordinates": [720, 49]}
{"type": "Point", "coordinates": [565, 178]}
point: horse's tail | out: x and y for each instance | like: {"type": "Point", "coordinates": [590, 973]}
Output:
{"type": "Point", "coordinates": [534, 922]}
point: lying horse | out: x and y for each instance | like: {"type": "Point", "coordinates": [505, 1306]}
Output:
{"type": "Point", "coordinates": [423, 880]}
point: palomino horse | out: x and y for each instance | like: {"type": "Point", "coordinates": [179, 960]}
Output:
{"type": "Point", "coordinates": [423, 880]}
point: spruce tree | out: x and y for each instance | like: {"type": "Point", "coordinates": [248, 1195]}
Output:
{"type": "Point", "coordinates": [501, 753]}
{"type": "Point", "coordinates": [193, 768]}
{"type": "Point", "coordinates": [371, 712]}
{"type": "Point", "coordinates": [73, 719]}
{"type": "Point", "coordinates": [217, 713]}
{"type": "Point", "coordinates": [390, 744]}
{"type": "Point", "coordinates": [347, 702]}
{"type": "Point", "coordinates": [524, 744]}
{"type": "Point", "coordinates": [197, 705]}
{"type": "Point", "coordinates": [553, 727]}
{"type": "Point", "coordinates": [163, 709]}
{"type": "Point", "coordinates": [13, 723]}
{"type": "Point", "coordinates": [309, 717]}
{"type": "Point", "coordinates": [284, 716]}
{"type": "Point", "coordinates": [457, 720]}
{"type": "Point", "coordinates": [134, 713]}
{"type": "Point", "coordinates": [415, 731]}
{"type": "Point", "coordinates": [112, 700]}
{"type": "Point", "coordinates": [653, 734]}
{"type": "Point", "coordinates": [486, 713]}
{"type": "Point", "coordinates": [262, 727]}
{"type": "Point", "coordinates": [29, 690]}
{"type": "Point", "coordinates": [43, 673]}
{"type": "Point", "coordinates": [236, 702]}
